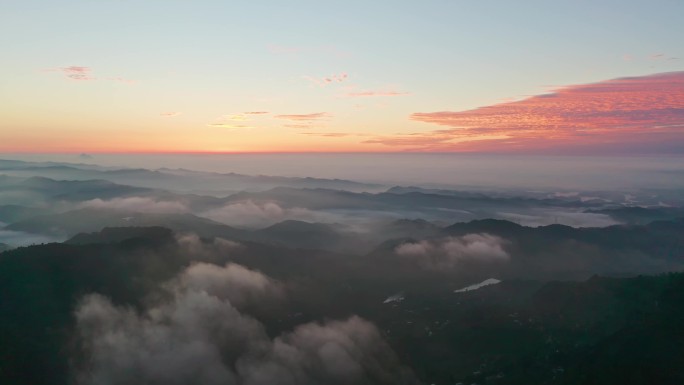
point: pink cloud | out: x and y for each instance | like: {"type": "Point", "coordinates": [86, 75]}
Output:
{"type": "Point", "coordinates": [77, 73]}
{"type": "Point", "coordinates": [305, 121]}
{"type": "Point", "coordinates": [609, 113]}
{"type": "Point", "coordinates": [84, 73]}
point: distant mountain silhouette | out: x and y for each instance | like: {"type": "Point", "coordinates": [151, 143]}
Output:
{"type": "Point", "coordinates": [13, 213]}
{"type": "Point", "coordinates": [120, 234]}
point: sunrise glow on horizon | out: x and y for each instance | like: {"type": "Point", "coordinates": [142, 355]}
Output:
{"type": "Point", "coordinates": [217, 77]}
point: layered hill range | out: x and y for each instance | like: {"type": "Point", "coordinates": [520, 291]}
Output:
{"type": "Point", "coordinates": [114, 276]}
{"type": "Point", "coordinates": [55, 201]}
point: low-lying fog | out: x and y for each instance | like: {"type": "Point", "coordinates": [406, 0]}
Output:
{"type": "Point", "coordinates": [488, 170]}
{"type": "Point", "coordinates": [271, 197]}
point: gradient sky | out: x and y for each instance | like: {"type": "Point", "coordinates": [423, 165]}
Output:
{"type": "Point", "coordinates": [274, 76]}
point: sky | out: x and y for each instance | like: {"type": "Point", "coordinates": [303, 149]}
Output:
{"type": "Point", "coordinates": [580, 77]}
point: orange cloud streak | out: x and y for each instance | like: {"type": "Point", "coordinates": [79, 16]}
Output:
{"type": "Point", "coordinates": [305, 117]}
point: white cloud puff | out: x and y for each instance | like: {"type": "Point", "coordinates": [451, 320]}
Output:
{"type": "Point", "coordinates": [198, 335]}
{"type": "Point", "coordinates": [196, 248]}
{"type": "Point", "coordinates": [250, 214]}
{"type": "Point", "coordinates": [450, 252]}
{"type": "Point", "coordinates": [233, 282]}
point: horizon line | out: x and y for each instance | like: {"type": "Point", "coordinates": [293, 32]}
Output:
{"type": "Point", "coordinates": [488, 153]}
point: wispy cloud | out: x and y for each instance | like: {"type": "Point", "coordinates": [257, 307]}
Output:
{"type": "Point", "coordinates": [365, 94]}
{"type": "Point", "coordinates": [83, 73]}
{"type": "Point", "coordinates": [236, 118]}
{"type": "Point", "coordinates": [242, 116]}
{"type": "Point", "coordinates": [77, 73]}
{"type": "Point", "coordinates": [613, 112]}
{"type": "Point", "coordinates": [305, 121]}
{"type": "Point", "coordinates": [333, 134]}
{"type": "Point", "coordinates": [326, 134]}
{"type": "Point", "coordinates": [326, 80]}
{"type": "Point", "coordinates": [661, 57]}
{"type": "Point", "coordinates": [305, 117]}
{"type": "Point", "coordinates": [237, 121]}
{"type": "Point", "coordinates": [170, 114]}
{"type": "Point", "coordinates": [230, 126]}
